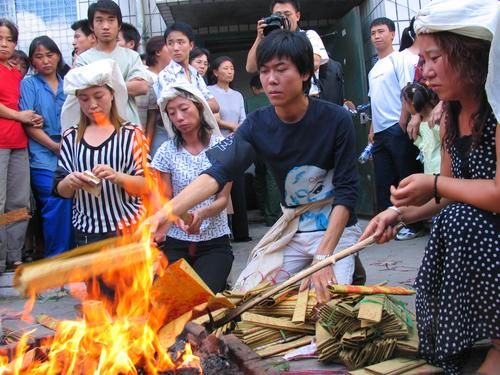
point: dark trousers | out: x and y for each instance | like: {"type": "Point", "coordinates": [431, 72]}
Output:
{"type": "Point", "coordinates": [394, 157]}
{"type": "Point", "coordinates": [268, 194]}
{"type": "Point", "coordinates": [239, 220]}
{"type": "Point", "coordinates": [212, 259]}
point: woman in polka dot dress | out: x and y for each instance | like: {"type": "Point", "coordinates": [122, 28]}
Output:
{"type": "Point", "coordinates": [458, 285]}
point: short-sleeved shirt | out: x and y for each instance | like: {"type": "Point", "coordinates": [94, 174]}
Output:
{"type": "Point", "coordinates": [130, 65]}
{"type": "Point", "coordinates": [37, 95]}
{"type": "Point", "coordinates": [12, 134]}
{"type": "Point", "coordinates": [311, 160]}
{"type": "Point", "coordinates": [183, 168]}
{"type": "Point", "coordinates": [114, 208]}
{"type": "Point", "coordinates": [174, 73]}
{"type": "Point", "coordinates": [148, 101]}
{"type": "Point", "coordinates": [386, 79]}
{"type": "Point", "coordinates": [231, 104]}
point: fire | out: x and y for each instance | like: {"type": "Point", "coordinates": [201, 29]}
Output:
{"type": "Point", "coordinates": [118, 331]}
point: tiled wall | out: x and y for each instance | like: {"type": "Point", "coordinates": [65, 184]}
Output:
{"type": "Point", "coordinates": [42, 17]}
{"type": "Point", "coordinates": [400, 11]}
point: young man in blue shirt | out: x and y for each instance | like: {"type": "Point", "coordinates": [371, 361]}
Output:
{"type": "Point", "coordinates": [309, 146]}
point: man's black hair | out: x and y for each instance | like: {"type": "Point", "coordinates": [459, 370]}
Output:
{"type": "Point", "coordinates": [255, 82]}
{"type": "Point", "coordinates": [12, 28]}
{"type": "Point", "coordinates": [82, 25]}
{"type": "Point", "coordinates": [104, 6]}
{"type": "Point", "coordinates": [130, 33]}
{"type": "Point", "coordinates": [293, 46]}
{"type": "Point", "coordinates": [383, 21]}
{"type": "Point", "coordinates": [181, 27]}
{"type": "Point", "coordinates": [294, 3]}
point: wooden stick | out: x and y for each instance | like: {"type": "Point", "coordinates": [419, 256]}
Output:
{"type": "Point", "coordinates": [10, 217]}
{"type": "Point", "coordinates": [58, 271]}
{"type": "Point", "coordinates": [294, 279]}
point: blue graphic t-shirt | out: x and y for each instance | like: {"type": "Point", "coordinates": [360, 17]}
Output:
{"type": "Point", "coordinates": [311, 160]}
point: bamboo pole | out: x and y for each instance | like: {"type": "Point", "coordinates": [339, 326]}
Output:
{"type": "Point", "coordinates": [232, 314]}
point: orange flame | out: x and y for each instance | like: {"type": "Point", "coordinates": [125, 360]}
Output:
{"type": "Point", "coordinates": [114, 335]}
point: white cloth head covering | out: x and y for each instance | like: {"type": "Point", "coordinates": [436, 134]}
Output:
{"type": "Point", "coordinates": [190, 92]}
{"type": "Point", "coordinates": [473, 18]}
{"type": "Point", "coordinates": [99, 73]}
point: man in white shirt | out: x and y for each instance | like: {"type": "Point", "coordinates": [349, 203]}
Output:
{"type": "Point", "coordinates": [105, 20]}
{"type": "Point", "coordinates": [290, 9]}
{"type": "Point", "coordinates": [394, 155]}
{"type": "Point", "coordinates": [179, 39]}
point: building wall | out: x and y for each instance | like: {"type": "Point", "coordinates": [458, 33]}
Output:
{"type": "Point", "coordinates": [42, 17]}
{"type": "Point", "coordinates": [54, 18]}
{"type": "Point", "coordinates": [400, 11]}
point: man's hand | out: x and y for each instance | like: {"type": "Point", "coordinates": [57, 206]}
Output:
{"type": "Point", "coordinates": [260, 30]}
{"type": "Point", "coordinates": [320, 281]}
{"type": "Point", "coordinates": [157, 225]}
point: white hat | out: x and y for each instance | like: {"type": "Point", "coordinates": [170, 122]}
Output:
{"type": "Point", "coordinates": [190, 92]}
{"type": "Point", "coordinates": [473, 18]}
{"type": "Point", "coordinates": [99, 73]}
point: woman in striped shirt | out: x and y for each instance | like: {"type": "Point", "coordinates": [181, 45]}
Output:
{"type": "Point", "coordinates": [105, 145]}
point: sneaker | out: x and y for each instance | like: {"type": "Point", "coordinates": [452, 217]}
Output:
{"type": "Point", "coordinates": [406, 233]}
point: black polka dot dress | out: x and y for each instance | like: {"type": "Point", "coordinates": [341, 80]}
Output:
{"type": "Point", "coordinates": [458, 287]}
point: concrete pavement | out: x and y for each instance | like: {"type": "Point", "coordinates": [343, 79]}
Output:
{"type": "Point", "coordinates": [396, 263]}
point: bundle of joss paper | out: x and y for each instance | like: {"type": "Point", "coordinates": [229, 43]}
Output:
{"type": "Point", "coordinates": [291, 319]}
{"type": "Point", "coordinates": [363, 329]}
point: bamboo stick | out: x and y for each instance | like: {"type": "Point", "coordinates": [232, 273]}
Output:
{"type": "Point", "coordinates": [13, 216]}
{"type": "Point", "coordinates": [294, 279]}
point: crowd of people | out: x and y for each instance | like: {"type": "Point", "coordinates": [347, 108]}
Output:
{"type": "Point", "coordinates": [84, 139]}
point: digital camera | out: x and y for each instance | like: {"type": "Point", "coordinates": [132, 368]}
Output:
{"type": "Point", "coordinates": [275, 21]}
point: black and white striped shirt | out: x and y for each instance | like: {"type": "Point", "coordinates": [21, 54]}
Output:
{"type": "Point", "coordinates": [114, 209]}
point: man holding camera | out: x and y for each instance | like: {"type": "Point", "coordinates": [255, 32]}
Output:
{"type": "Point", "coordinates": [289, 12]}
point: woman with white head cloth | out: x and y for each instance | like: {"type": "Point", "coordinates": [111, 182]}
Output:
{"type": "Point", "coordinates": [458, 283]}
{"type": "Point", "coordinates": [102, 159]}
{"type": "Point", "coordinates": [204, 242]}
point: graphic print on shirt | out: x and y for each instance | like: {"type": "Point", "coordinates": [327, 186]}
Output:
{"type": "Point", "coordinates": [305, 184]}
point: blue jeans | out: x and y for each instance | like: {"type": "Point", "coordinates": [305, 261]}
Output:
{"type": "Point", "coordinates": [395, 158]}
{"type": "Point", "coordinates": [55, 212]}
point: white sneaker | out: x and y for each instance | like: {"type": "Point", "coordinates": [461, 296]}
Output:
{"type": "Point", "coordinates": [406, 233]}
